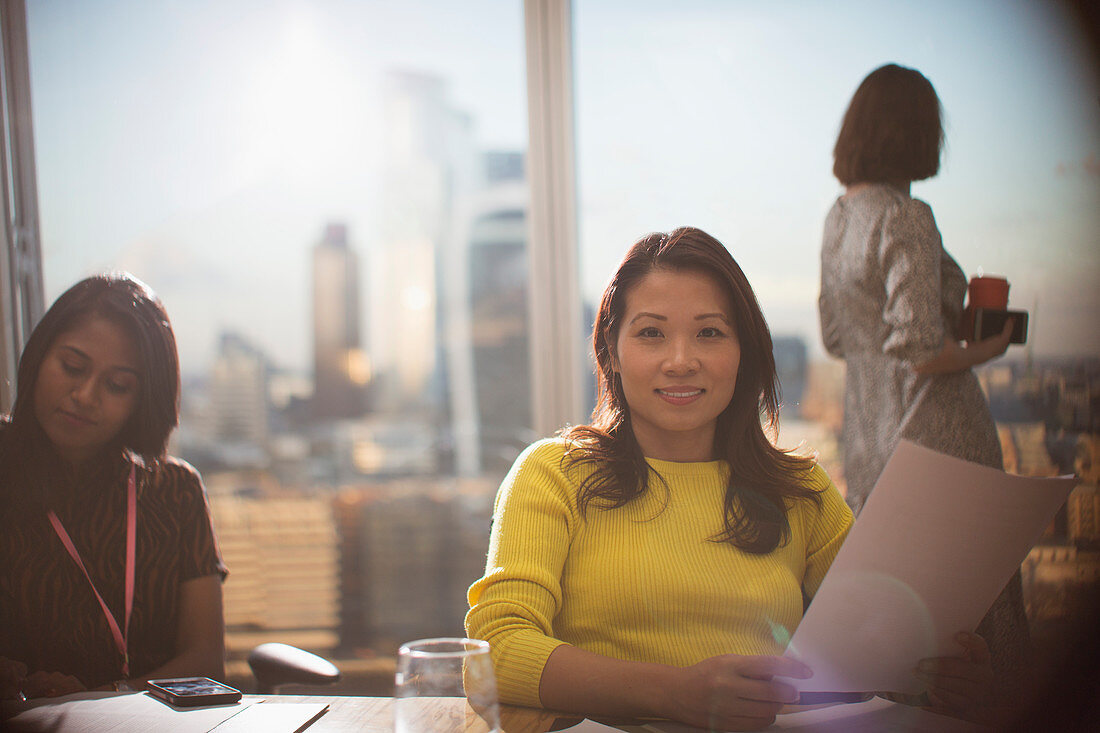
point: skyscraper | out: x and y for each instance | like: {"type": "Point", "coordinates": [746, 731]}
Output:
{"type": "Point", "coordinates": [238, 402]}
{"type": "Point", "coordinates": [341, 370]}
{"type": "Point", "coordinates": [498, 290]}
{"type": "Point", "coordinates": [486, 321]}
{"type": "Point", "coordinates": [790, 365]}
{"type": "Point", "coordinates": [427, 167]}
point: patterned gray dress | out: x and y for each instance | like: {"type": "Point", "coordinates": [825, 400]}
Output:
{"type": "Point", "coordinates": [889, 295]}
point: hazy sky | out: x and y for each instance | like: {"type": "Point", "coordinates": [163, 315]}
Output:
{"type": "Point", "coordinates": [204, 144]}
{"type": "Point", "coordinates": [723, 115]}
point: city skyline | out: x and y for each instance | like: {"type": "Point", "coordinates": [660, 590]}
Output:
{"type": "Point", "coordinates": [210, 154]}
{"type": "Point", "coordinates": [362, 566]}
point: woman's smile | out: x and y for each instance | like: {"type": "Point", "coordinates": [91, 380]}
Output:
{"type": "Point", "coordinates": [680, 395]}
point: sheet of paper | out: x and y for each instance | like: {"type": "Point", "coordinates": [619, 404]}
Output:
{"type": "Point", "coordinates": [274, 717]}
{"type": "Point", "coordinates": [874, 716]}
{"type": "Point", "coordinates": [936, 542]}
{"type": "Point", "coordinates": [134, 712]}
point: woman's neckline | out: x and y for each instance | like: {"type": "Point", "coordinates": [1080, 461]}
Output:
{"type": "Point", "coordinates": [682, 466]}
{"type": "Point", "coordinates": [902, 187]}
{"type": "Point", "coordinates": [102, 467]}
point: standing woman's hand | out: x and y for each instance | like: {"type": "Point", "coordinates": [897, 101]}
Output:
{"type": "Point", "coordinates": [994, 346]}
{"type": "Point", "coordinates": [954, 357]}
{"type": "Point", "coordinates": [960, 686]}
{"type": "Point", "coordinates": [732, 692]}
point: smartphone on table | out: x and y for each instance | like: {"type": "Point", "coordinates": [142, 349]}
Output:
{"type": "Point", "coordinates": [193, 691]}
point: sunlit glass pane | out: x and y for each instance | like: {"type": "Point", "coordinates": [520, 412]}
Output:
{"type": "Point", "coordinates": [330, 198]}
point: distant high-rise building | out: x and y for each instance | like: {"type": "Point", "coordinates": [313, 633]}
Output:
{"type": "Point", "coordinates": [498, 303]}
{"type": "Point", "coordinates": [341, 370]}
{"type": "Point", "coordinates": [790, 366]}
{"type": "Point", "coordinates": [285, 584]}
{"type": "Point", "coordinates": [238, 400]}
{"type": "Point", "coordinates": [502, 166]}
{"type": "Point", "coordinates": [486, 322]}
{"type": "Point", "coordinates": [427, 167]}
{"type": "Point", "coordinates": [409, 552]}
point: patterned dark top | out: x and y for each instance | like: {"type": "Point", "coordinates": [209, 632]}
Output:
{"type": "Point", "coordinates": [49, 616]}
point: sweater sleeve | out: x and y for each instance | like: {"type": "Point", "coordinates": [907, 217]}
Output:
{"type": "Point", "coordinates": [910, 254]}
{"type": "Point", "coordinates": [828, 527]}
{"type": "Point", "coordinates": [514, 604]}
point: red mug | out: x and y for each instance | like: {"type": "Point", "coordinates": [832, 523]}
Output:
{"type": "Point", "coordinates": [989, 292]}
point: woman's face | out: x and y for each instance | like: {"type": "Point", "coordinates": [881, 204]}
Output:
{"type": "Point", "coordinates": [87, 387]}
{"type": "Point", "coordinates": [677, 354]}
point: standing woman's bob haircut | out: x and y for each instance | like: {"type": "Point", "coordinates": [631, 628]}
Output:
{"type": "Point", "coordinates": [762, 477]}
{"type": "Point", "coordinates": [131, 305]}
{"type": "Point", "coordinates": [892, 131]}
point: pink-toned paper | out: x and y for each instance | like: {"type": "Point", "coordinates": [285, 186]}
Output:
{"type": "Point", "coordinates": [935, 544]}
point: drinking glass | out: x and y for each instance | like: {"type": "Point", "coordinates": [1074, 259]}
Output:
{"type": "Point", "coordinates": [445, 685]}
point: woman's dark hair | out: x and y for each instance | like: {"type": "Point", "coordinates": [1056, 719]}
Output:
{"type": "Point", "coordinates": [892, 131]}
{"type": "Point", "coordinates": [130, 304]}
{"type": "Point", "coordinates": [762, 477]}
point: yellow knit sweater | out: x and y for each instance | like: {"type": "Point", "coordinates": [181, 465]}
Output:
{"type": "Point", "coordinates": [642, 582]}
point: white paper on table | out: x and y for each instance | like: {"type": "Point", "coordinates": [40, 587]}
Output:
{"type": "Point", "coordinates": [274, 717]}
{"type": "Point", "coordinates": [874, 716]}
{"type": "Point", "coordinates": [935, 544]}
{"type": "Point", "coordinates": [120, 713]}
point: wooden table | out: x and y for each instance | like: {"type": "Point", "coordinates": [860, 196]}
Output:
{"type": "Point", "coordinates": [375, 715]}
{"type": "Point", "coordinates": [92, 712]}
{"type": "Point", "coordinates": [88, 712]}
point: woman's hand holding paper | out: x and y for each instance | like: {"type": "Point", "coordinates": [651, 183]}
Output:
{"type": "Point", "coordinates": [733, 692]}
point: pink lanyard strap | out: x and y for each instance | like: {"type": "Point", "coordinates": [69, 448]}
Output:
{"type": "Point", "coordinates": [121, 636]}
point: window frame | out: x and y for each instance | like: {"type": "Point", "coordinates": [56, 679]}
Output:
{"type": "Point", "coordinates": [22, 298]}
{"type": "Point", "coordinates": [557, 361]}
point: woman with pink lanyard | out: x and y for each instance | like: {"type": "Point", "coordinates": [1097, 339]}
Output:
{"type": "Point", "coordinates": [109, 570]}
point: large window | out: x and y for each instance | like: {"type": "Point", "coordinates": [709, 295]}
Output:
{"type": "Point", "coordinates": [330, 198]}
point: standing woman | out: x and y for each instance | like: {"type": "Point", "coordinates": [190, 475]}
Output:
{"type": "Point", "coordinates": [890, 305]}
{"type": "Point", "coordinates": [654, 562]}
{"type": "Point", "coordinates": [109, 571]}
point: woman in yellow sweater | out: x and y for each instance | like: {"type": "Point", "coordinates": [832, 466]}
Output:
{"type": "Point", "coordinates": [655, 562]}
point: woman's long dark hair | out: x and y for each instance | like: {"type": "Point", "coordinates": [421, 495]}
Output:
{"type": "Point", "coordinates": [763, 479]}
{"type": "Point", "coordinates": [130, 304]}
